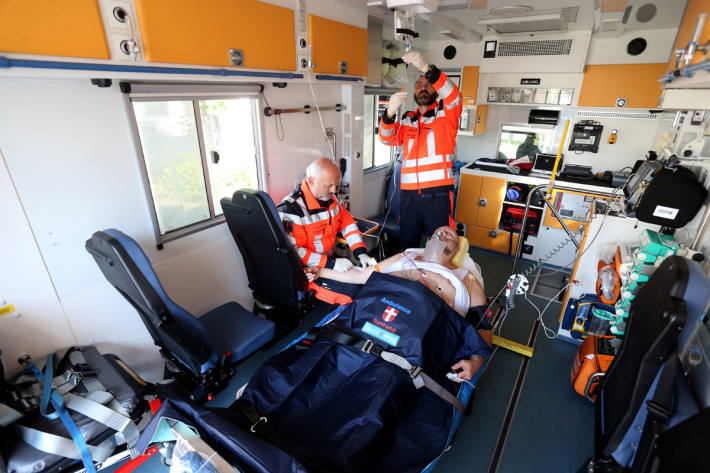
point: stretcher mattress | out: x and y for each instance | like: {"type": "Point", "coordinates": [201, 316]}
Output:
{"type": "Point", "coordinates": [339, 406]}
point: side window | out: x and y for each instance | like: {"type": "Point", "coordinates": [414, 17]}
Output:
{"type": "Point", "coordinates": [376, 154]}
{"type": "Point", "coordinates": [195, 152]}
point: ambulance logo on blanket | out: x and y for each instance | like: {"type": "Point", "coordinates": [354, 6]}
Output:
{"type": "Point", "coordinates": [389, 314]}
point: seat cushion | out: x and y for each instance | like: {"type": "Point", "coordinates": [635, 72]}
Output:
{"type": "Point", "coordinates": [234, 329]}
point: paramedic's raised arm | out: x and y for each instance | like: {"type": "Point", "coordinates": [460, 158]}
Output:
{"type": "Point", "coordinates": [449, 94]}
{"type": "Point", "coordinates": [389, 131]}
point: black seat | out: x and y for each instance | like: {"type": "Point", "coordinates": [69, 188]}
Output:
{"type": "Point", "coordinates": [203, 351]}
{"type": "Point", "coordinates": [275, 273]}
{"type": "Point", "coordinates": [389, 219]}
{"type": "Point", "coordinates": [639, 393]}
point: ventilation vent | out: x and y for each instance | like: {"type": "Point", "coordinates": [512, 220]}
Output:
{"type": "Point", "coordinates": [557, 47]}
{"type": "Point", "coordinates": [624, 115]}
{"type": "Point", "coordinates": [449, 70]}
{"type": "Point", "coordinates": [569, 14]}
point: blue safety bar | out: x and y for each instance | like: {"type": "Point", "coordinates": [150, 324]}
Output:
{"type": "Point", "coordinates": [86, 66]}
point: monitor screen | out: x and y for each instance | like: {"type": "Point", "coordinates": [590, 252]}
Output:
{"type": "Point", "coordinates": [545, 162]}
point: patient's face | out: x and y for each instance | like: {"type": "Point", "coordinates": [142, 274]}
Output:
{"type": "Point", "coordinates": [449, 236]}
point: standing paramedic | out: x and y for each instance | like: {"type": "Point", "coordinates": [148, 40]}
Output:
{"type": "Point", "coordinates": [312, 218]}
{"type": "Point", "coordinates": [428, 138]}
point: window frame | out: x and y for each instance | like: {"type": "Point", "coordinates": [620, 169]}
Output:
{"type": "Point", "coordinates": [174, 93]}
{"type": "Point", "coordinates": [376, 118]}
{"type": "Point", "coordinates": [533, 126]}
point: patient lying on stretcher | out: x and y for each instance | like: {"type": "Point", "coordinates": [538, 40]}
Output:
{"type": "Point", "coordinates": [436, 268]}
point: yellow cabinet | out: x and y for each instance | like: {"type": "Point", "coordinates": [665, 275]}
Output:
{"type": "Point", "coordinates": [481, 117]}
{"type": "Point", "coordinates": [467, 200]}
{"type": "Point", "coordinates": [480, 200]}
{"type": "Point", "coordinates": [687, 28]}
{"type": "Point", "coordinates": [334, 44]}
{"type": "Point", "coordinates": [469, 85]}
{"type": "Point", "coordinates": [637, 83]}
{"type": "Point", "coordinates": [186, 32]}
{"type": "Point", "coordinates": [496, 240]}
{"type": "Point", "coordinates": [53, 28]}
{"type": "Point", "coordinates": [490, 203]}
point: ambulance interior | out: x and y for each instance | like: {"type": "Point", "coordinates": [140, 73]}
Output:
{"type": "Point", "coordinates": [146, 143]}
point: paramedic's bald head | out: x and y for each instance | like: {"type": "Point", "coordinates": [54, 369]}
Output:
{"type": "Point", "coordinates": [322, 176]}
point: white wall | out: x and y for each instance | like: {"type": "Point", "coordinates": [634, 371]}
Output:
{"type": "Point", "coordinates": [606, 50]}
{"type": "Point", "coordinates": [634, 137]}
{"type": "Point", "coordinates": [69, 150]}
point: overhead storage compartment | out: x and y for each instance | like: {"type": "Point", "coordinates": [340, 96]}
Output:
{"type": "Point", "coordinates": [52, 28]}
{"type": "Point", "coordinates": [205, 32]}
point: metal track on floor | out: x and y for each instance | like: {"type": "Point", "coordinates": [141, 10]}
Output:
{"type": "Point", "coordinates": [502, 439]}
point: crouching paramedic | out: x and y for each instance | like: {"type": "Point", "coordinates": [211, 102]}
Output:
{"type": "Point", "coordinates": [312, 218]}
{"type": "Point", "coordinates": [428, 138]}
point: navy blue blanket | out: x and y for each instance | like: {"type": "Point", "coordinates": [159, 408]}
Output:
{"type": "Point", "coordinates": [339, 406]}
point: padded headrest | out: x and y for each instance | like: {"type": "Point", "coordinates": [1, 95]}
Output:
{"type": "Point", "coordinates": [459, 258]}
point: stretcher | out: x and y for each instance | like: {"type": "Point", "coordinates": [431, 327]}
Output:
{"type": "Point", "coordinates": [329, 404]}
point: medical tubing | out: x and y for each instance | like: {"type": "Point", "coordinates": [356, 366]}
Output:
{"type": "Point", "coordinates": [320, 117]}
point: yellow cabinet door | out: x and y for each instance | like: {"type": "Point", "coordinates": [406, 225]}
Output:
{"type": "Point", "coordinates": [637, 83]}
{"type": "Point", "coordinates": [189, 32]}
{"type": "Point", "coordinates": [481, 116]}
{"type": "Point", "coordinates": [467, 200]}
{"type": "Point", "coordinates": [469, 85]}
{"type": "Point", "coordinates": [490, 203]}
{"type": "Point", "coordinates": [333, 42]}
{"type": "Point", "coordinates": [687, 28]}
{"type": "Point", "coordinates": [53, 28]}
{"type": "Point", "coordinates": [496, 240]}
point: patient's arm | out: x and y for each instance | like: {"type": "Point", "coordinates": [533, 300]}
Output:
{"type": "Point", "coordinates": [469, 368]}
{"type": "Point", "coordinates": [354, 276]}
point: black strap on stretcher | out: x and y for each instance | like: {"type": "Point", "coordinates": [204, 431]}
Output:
{"type": "Point", "coordinates": [259, 425]}
{"type": "Point", "coordinates": [347, 337]}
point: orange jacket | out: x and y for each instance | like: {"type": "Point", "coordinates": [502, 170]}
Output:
{"type": "Point", "coordinates": [312, 228]}
{"type": "Point", "coordinates": [428, 140]}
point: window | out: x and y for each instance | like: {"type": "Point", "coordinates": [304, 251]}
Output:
{"type": "Point", "coordinates": [516, 141]}
{"type": "Point", "coordinates": [375, 153]}
{"type": "Point", "coordinates": [196, 151]}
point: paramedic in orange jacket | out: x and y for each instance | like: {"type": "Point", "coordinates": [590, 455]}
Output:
{"type": "Point", "coordinates": [428, 138]}
{"type": "Point", "coordinates": [312, 218]}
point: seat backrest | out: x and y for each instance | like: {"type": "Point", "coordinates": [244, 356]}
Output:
{"type": "Point", "coordinates": [656, 317]}
{"type": "Point", "coordinates": [176, 331]}
{"type": "Point", "coordinates": [275, 273]}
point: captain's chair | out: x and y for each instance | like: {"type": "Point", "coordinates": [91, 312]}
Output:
{"type": "Point", "coordinates": [276, 276]}
{"type": "Point", "coordinates": [202, 350]}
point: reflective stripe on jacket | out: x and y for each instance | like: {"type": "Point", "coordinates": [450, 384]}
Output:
{"type": "Point", "coordinates": [312, 228]}
{"type": "Point", "coordinates": [428, 140]}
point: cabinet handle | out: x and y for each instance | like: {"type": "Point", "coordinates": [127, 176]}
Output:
{"type": "Point", "coordinates": [482, 202]}
{"type": "Point", "coordinates": [493, 234]}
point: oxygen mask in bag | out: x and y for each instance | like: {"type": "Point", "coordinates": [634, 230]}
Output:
{"type": "Point", "coordinates": [434, 250]}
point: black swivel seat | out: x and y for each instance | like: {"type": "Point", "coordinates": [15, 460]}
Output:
{"type": "Point", "coordinates": [202, 352]}
{"type": "Point", "coordinates": [636, 395]}
{"type": "Point", "coordinates": [389, 220]}
{"type": "Point", "coordinates": [275, 273]}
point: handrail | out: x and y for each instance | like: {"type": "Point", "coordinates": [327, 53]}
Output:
{"type": "Point", "coordinates": [268, 111]}
{"type": "Point", "coordinates": [536, 190]}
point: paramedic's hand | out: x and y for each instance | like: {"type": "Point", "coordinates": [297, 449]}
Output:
{"type": "Point", "coordinates": [342, 265]}
{"type": "Point", "coordinates": [396, 101]}
{"type": "Point", "coordinates": [312, 273]}
{"type": "Point", "coordinates": [366, 261]}
{"type": "Point", "coordinates": [469, 368]}
{"type": "Point", "coordinates": [416, 59]}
